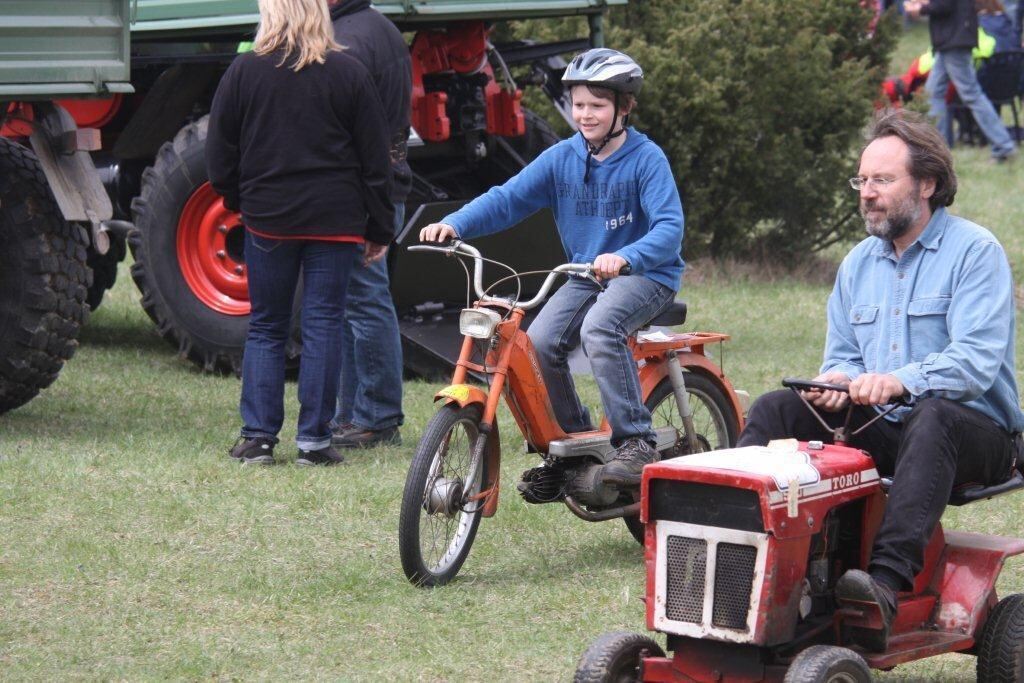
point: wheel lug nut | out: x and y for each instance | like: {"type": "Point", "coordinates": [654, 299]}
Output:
{"type": "Point", "coordinates": [222, 229]}
{"type": "Point", "coordinates": [221, 254]}
{"type": "Point", "coordinates": [239, 270]}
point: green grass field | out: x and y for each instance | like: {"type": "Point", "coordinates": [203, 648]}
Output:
{"type": "Point", "coordinates": [133, 548]}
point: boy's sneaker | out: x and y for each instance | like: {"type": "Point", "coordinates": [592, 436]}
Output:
{"type": "Point", "coordinates": [628, 464]}
{"type": "Point", "coordinates": [255, 451]}
{"type": "Point", "coordinates": [367, 438]}
{"type": "Point", "coordinates": [324, 456]}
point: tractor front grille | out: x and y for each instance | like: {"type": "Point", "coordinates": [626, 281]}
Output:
{"type": "Point", "coordinates": [687, 568]}
{"type": "Point", "coordinates": [695, 565]}
{"type": "Point", "coordinates": [734, 579]}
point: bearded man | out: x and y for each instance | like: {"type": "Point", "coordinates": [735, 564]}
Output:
{"type": "Point", "coordinates": [922, 310]}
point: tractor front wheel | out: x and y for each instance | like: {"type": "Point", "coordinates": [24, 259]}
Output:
{"type": "Point", "coordinates": [615, 658]}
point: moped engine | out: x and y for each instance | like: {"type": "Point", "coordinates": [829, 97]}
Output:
{"type": "Point", "coordinates": [585, 486]}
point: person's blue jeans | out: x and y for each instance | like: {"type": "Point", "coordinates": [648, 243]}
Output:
{"type": "Point", "coordinates": [370, 392]}
{"type": "Point", "coordinates": [274, 267]}
{"type": "Point", "coordinates": [957, 66]}
{"type": "Point", "coordinates": [603, 320]}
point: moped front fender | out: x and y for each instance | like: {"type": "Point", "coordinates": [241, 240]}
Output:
{"type": "Point", "coordinates": [465, 395]}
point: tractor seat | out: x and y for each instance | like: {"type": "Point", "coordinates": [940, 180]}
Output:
{"type": "Point", "coordinates": [969, 493]}
{"type": "Point", "coordinates": [671, 315]}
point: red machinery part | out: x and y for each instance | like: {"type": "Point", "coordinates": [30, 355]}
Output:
{"type": "Point", "coordinates": [462, 50]}
{"type": "Point", "coordinates": [209, 264]}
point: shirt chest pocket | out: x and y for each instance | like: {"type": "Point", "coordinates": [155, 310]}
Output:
{"type": "Point", "coordinates": [863, 320]}
{"type": "Point", "coordinates": [929, 332]}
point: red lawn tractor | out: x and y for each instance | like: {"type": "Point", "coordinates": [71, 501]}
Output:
{"type": "Point", "coordinates": [743, 550]}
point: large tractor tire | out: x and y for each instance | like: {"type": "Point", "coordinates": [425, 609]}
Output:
{"type": "Point", "coordinates": [189, 260]}
{"type": "Point", "coordinates": [43, 279]}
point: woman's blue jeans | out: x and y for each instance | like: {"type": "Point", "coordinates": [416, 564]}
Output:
{"type": "Point", "coordinates": [603, 320]}
{"type": "Point", "coordinates": [274, 268]}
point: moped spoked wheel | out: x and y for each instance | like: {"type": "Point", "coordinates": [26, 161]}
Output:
{"type": "Point", "coordinates": [828, 664]}
{"type": "Point", "coordinates": [714, 418]}
{"type": "Point", "coordinates": [615, 658]}
{"type": "Point", "coordinates": [439, 520]}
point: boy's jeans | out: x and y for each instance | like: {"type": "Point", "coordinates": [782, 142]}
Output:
{"type": "Point", "coordinates": [274, 267]}
{"type": "Point", "coordinates": [958, 66]}
{"type": "Point", "coordinates": [370, 392]}
{"type": "Point", "coordinates": [604, 320]}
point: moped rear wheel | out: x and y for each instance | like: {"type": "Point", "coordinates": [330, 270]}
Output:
{"type": "Point", "coordinates": [439, 519]}
{"type": "Point", "coordinates": [714, 418]}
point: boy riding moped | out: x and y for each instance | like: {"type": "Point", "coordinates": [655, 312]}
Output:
{"type": "Point", "coordinates": [618, 211]}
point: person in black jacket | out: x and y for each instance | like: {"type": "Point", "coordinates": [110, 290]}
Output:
{"type": "Point", "coordinates": [297, 142]}
{"type": "Point", "coordinates": [370, 396]}
{"type": "Point", "coordinates": [953, 26]}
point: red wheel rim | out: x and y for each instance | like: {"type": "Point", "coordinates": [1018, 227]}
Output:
{"type": "Point", "coordinates": [210, 252]}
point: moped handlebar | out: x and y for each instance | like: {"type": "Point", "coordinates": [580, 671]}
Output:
{"type": "Point", "coordinates": [459, 247]}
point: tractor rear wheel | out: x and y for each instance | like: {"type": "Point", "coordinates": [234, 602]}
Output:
{"type": "Point", "coordinates": [615, 658]}
{"type": "Point", "coordinates": [1001, 654]}
{"type": "Point", "coordinates": [828, 664]}
{"type": "Point", "coordinates": [43, 279]}
{"type": "Point", "coordinates": [189, 258]}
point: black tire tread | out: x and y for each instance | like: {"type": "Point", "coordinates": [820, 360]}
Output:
{"type": "Point", "coordinates": [603, 659]}
{"type": "Point", "coordinates": [1001, 653]}
{"type": "Point", "coordinates": [814, 664]}
{"type": "Point", "coordinates": [44, 286]}
{"type": "Point", "coordinates": [440, 424]}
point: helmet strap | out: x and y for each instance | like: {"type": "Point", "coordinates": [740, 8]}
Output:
{"type": "Point", "coordinates": [593, 150]}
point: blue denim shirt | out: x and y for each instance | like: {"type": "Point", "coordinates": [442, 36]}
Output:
{"type": "Point", "coordinates": [940, 318]}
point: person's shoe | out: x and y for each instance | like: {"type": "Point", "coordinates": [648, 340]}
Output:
{"type": "Point", "coordinates": [368, 438]}
{"type": "Point", "coordinates": [1006, 158]}
{"type": "Point", "coordinates": [255, 451]}
{"type": "Point", "coordinates": [324, 457]}
{"type": "Point", "coordinates": [628, 464]}
{"type": "Point", "coordinates": [859, 587]}
{"type": "Point", "coordinates": [340, 430]}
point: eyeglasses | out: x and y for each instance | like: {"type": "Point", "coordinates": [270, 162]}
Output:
{"type": "Point", "coordinates": [860, 182]}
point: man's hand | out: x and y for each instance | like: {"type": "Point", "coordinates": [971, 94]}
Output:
{"type": "Point", "coordinates": [829, 401]}
{"type": "Point", "coordinates": [873, 389]}
{"type": "Point", "coordinates": [912, 8]}
{"type": "Point", "coordinates": [607, 266]}
{"type": "Point", "coordinates": [437, 232]}
{"type": "Point", "coordinates": [373, 252]}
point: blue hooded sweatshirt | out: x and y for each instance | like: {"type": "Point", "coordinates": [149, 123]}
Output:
{"type": "Point", "coordinates": [630, 207]}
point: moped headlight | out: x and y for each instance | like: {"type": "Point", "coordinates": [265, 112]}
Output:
{"type": "Point", "coordinates": [478, 322]}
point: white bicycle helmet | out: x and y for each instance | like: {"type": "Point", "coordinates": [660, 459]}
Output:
{"type": "Point", "coordinates": [605, 68]}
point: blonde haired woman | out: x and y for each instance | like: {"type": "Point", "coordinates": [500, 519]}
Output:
{"type": "Point", "coordinates": [297, 143]}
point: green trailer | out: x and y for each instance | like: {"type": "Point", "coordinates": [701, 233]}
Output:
{"type": "Point", "coordinates": [134, 124]}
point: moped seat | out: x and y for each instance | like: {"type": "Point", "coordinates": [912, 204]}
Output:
{"type": "Point", "coordinates": [673, 314]}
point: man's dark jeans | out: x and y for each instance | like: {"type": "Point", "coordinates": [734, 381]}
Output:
{"type": "Point", "coordinates": [940, 444]}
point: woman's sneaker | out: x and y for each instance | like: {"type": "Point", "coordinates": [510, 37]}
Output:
{"type": "Point", "coordinates": [255, 451]}
{"type": "Point", "coordinates": [324, 457]}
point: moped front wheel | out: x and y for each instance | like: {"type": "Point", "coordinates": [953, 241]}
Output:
{"type": "Point", "coordinates": [440, 512]}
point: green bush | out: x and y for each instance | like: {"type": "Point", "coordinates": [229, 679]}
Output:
{"type": "Point", "coordinates": [759, 105]}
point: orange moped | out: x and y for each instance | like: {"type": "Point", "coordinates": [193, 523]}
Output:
{"type": "Point", "coordinates": [453, 479]}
